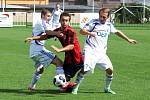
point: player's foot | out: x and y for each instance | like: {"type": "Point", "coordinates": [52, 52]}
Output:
{"type": "Point", "coordinates": [68, 87]}
{"type": "Point", "coordinates": [109, 91]}
{"type": "Point", "coordinates": [31, 88]}
{"type": "Point", "coordinates": [75, 89]}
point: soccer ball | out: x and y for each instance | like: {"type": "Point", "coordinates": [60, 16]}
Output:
{"type": "Point", "coordinates": [59, 80]}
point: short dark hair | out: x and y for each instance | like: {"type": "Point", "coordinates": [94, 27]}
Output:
{"type": "Point", "coordinates": [105, 10]}
{"type": "Point", "coordinates": [65, 14]}
{"type": "Point", "coordinates": [58, 3]}
{"type": "Point", "coordinates": [44, 12]}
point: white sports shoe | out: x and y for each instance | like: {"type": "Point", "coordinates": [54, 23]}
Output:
{"type": "Point", "coordinates": [75, 89]}
{"type": "Point", "coordinates": [109, 91]}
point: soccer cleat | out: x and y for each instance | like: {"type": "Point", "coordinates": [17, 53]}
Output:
{"type": "Point", "coordinates": [75, 89]}
{"type": "Point", "coordinates": [109, 91]}
{"type": "Point", "coordinates": [31, 88]}
{"type": "Point", "coordinates": [68, 87]}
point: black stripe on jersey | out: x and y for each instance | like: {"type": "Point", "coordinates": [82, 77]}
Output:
{"type": "Point", "coordinates": [38, 41]}
{"type": "Point", "coordinates": [67, 37]}
{"type": "Point", "coordinates": [71, 37]}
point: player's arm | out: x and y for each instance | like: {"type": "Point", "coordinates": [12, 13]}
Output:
{"type": "Point", "coordinates": [69, 46]}
{"type": "Point", "coordinates": [64, 49]}
{"type": "Point", "coordinates": [54, 33]}
{"type": "Point", "coordinates": [123, 36]}
{"type": "Point", "coordinates": [86, 32]}
{"type": "Point", "coordinates": [42, 37]}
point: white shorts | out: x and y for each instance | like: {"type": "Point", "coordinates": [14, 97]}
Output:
{"type": "Point", "coordinates": [44, 57]}
{"type": "Point", "coordinates": [92, 59]}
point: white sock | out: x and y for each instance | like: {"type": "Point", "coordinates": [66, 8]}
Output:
{"type": "Point", "coordinates": [37, 75]}
{"type": "Point", "coordinates": [79, 79]}
{"type": "Point", "coordinates": [35, 78]}
{"type": "Point", "coordinates": [108, 81]}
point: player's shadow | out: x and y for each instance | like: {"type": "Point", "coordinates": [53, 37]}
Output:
{"type": "Point", "coordinates": [90, 91]}
{"type": "Point", "coordinates": [27, 92]}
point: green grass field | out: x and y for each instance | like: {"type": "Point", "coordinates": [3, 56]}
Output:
{"type": "Point", "coordinates": [131, 69]}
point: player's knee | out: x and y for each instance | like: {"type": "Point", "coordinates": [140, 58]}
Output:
{"type": "Point", "coordinates": [57, 62]}
{"type": "Point", "coordinates": [109, 71]}
{"type": "Point", "coordinates": [40, 69]}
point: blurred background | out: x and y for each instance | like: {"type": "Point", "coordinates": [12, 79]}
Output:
{"type": "Point", "coordinates": [129, 13]}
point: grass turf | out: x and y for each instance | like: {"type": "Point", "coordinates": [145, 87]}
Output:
{"type": "Point", "coordinates": [131, 69]}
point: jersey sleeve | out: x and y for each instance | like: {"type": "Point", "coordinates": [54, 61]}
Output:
{"type": "Point", "coordinates": [89, 26]}
{"type": "Point", "coordinates": [38, 29]}
{"type": "Point", "coordinates": [112, 28]}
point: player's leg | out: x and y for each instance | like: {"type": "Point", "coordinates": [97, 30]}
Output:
{"type": "Point", "coordinates": [80, 76]}
{"type": "Point", "coordinates": [109, 78]}
{"type": "Point", "coordinates": [42, 60]}
{"type": "Point", "coordinates": [68, 70]}
{"type": "Point", "coordinates": [36, 76]}
{"type": "Point", "coordinates": [79, 79]}
{"type": "Point", "coordinates": [39, 68]}
{"type": "Point", "coordinates": [89, 65]}
{"type": "Point", "coordinates": [106, 65]}
{"type": "Point", "coordinates": [59, 65]}
{"type": "Point", "coordinates": [71, 69]}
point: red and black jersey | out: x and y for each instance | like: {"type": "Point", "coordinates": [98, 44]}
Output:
{"type": "Point", "coordinates": [72, 56]}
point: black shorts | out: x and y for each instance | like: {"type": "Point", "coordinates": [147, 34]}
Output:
{"type": "Point", "coordinates": [71, 69]}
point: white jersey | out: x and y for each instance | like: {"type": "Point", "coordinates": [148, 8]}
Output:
{"type": "Point", "coordinates": [102, 31]}
{"type": "Point", "coordinates": [56, 16]}
{"type": "Point", "coordinates": [39, 29]}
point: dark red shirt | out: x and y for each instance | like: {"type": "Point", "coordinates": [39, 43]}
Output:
{"type": "Point", "coordinates": [72, 56]}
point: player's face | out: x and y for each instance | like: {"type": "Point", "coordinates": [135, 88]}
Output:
{"type": "Point", "coordinates": [103, 17]}
{"type": "Point", "coordinates": [57, 6]}
{"type": "Point", "coordinates": [64, 21]}
{"type": "Point", "coordinates": [47, 17]}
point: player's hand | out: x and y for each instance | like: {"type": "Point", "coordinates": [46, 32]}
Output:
{"type": "Point", "coordinates": [59, 34]}
{"type": "Point", "coordinates": [28, 40]}
{"type": "Point", "coordinates": [55, 48]}
{"type": "Point", "coordinates": [132, 41]}
{"type": "Point", "coordinates": [93, 34]}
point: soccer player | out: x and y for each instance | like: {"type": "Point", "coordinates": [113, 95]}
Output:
{"type": "Point", "coordinates": [97, 31]}
{"type": "Point", "coordinates": [56, 16]}
{"type": "Point", "coordinates": [38, 53]}
{"type": "Point", "coordinates": [73, 57]}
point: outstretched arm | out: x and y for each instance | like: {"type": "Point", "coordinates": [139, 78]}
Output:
{"type": "Point", "coordinates": [48, 33]}
{"type": "Point", "coordinates": [123, 36]}
{"type": "Point", "coordinates": [42, 37]}
{"type": "Point", "coordinates": [54, 33]}
{"type": "Point", "coordinates": [64, 49]}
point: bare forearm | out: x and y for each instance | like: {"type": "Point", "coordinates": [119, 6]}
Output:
{"type": "Point", "coordinates": [42, 37]}
{"type": "Point", "coordinates": [49, 32]}
{"type": "Point", "coordinates": [54, 33]}
{"type": "Point", "coordinates": [36, 37]}
{"type": "Point", "coordinates": [122, 35]}
{"type": "Point", "coordinates": [85, 32]}
{"type": "Point", "coordinates": [67, 48]}
{"type": "Point", "coordinates": [64, 49]}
